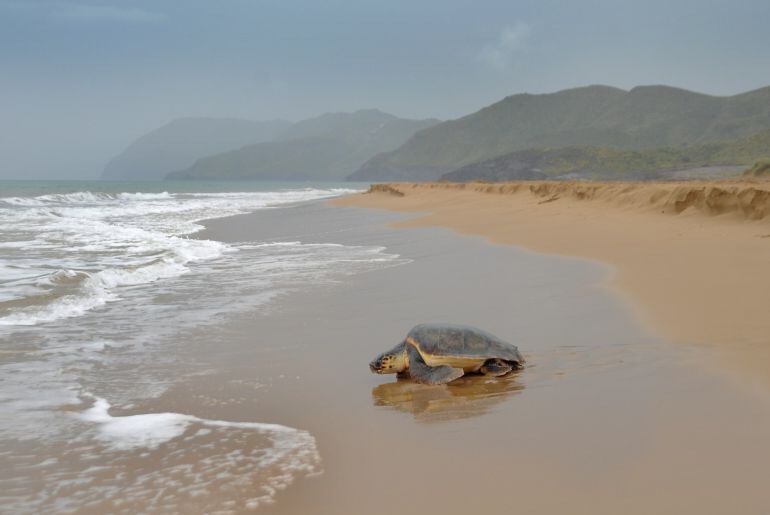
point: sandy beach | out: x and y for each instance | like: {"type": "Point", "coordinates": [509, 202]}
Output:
{"type": "Point", "coordinates": [607, 418]}
{"type": "Point", "coordinates": [691, 258]}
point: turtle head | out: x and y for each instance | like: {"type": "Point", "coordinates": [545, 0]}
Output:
{"type": "Point", "coordinates": [390, 362]}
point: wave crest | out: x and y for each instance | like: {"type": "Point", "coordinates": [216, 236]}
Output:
{"type": "Point", "coordinates": [105, 241]}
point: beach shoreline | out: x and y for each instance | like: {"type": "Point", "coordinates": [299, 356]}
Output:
{"type": "Point", "coordinates": [691, 258]}
{"type": "Point", "coordinates": [603, 414]}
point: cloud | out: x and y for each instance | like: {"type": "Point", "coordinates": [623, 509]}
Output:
{"type": "Point", "coordinates": [512, 40]}
{"type": "Point", "coordinates": [90, 13]}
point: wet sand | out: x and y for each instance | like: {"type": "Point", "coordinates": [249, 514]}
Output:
{"type": "Point", "coordinates": [607, 418]}
{"type": "Point", "coordinates": [692, 259]}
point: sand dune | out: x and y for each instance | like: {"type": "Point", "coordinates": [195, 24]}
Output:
{"type": "Point", "coordinates": [692, 257]}
{"type": "Point", "coordinates": [748, 199]}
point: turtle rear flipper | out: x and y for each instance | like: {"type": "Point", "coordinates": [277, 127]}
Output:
{"type": "Point", "coordinates": [423, 373]}
{"type": "Point", "coordinates": [495, 368]}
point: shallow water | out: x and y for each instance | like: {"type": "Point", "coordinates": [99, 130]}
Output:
{"type": "Point", "coordinates": [99, 292]}
{"type": "Point", "coordinates": [64, 254]}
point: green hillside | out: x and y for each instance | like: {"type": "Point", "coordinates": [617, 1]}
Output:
{"type": "Point", "coordinates": [599, 116]}
{"type": "Point", "coordinates": [328, 147]}
{"type": "Point", "coordinates": [760, 169]}
{"type": "Point", "coordinates": [609, 163]}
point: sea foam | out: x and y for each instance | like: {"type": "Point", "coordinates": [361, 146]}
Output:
{"type": "Point", "coordinates": [152, 429]}
{"type": "Point", "coordinates": [109, 240]}
{"type": "Point", "coordinates": [167, 463]}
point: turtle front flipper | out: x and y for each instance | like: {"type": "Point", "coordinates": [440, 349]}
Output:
{"type": "Point", "coordinates": [423, 373]}
{"type": "Point", "coordinates": [495, 367]}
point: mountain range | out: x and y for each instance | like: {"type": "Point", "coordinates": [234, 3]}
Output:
{"type": "Point", "coordinates": [597, 116]}
{"type": "Point", "coordinates": [181, 142]}
{"type": "Point", "coordinates": [328, 147]}
{"type": "Point", "coordinates": [588, 132]}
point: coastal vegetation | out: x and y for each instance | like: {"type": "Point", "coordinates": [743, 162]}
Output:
{"type": "Point", "coordinates": [760, 169]}
{"type": "Point", "coordinates": [609, 163]}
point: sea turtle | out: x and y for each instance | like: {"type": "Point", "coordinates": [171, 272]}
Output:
{"type": "Point", "coordinates": [439, 353]}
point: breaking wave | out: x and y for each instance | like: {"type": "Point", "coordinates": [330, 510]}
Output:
{"type": "Point", "coordinates": [100, 242]}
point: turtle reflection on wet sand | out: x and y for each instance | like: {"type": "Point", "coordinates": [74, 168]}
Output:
{"type": "Point", "coordinates": [467, 397]}
{"type": "Point", "coordinates": [439, 353]}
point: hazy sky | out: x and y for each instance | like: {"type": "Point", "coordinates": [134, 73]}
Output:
{"type": "Point", "coordinates": [80, 79]}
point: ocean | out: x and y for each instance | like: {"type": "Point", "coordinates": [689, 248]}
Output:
{"type": "Point", "coordinates": [100, 282]}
